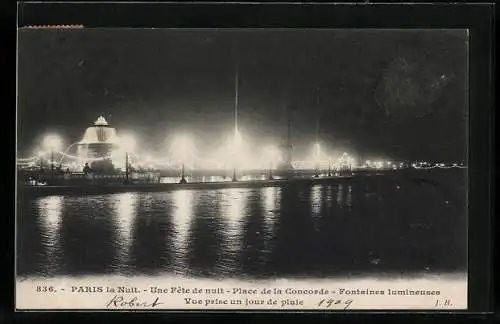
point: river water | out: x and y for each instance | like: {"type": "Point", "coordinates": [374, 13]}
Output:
{"type": "Point", "coordinates": [291, 231]}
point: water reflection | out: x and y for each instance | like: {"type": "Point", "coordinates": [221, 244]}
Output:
{"type": "Point", "coordinates": [294, 248]}
{"type": "Point", "coordinates": [254, 254]}
{"type": "Point", "coordinates": [293, 230]}
{"type": "Point", "coordinates": [206, 237]}
{"type": "Point", "coordinates": [151, 250]}
{"type": "Point", "coordinates": [233, 203]}
{"type": "Point", "coordinates": [349, 196]}
{"type": "Point", "coordinates": [126, 209]}
{"type": "Point", "coordinates": [326, 212]}
{"type": "Point", "coordinates": [316, 199]}
{"type": "Point", "coordinates": [50, 211]}
{"type": "Point", "coordinates": [271, 196]}
{"type": "Point", "coordinates": [340, 195]}
{"type": "Point", "coordinates": [87, 235]}
{"type": "Point", "coordinates": [29, 233]}
{"type": "Point", "coordinates": [182, 219]}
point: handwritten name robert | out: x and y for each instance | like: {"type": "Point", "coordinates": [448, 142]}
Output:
{"type": "Point", "coordinates": [134, 302]}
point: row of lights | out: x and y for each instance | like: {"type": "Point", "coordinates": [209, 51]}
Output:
{"type": "Point", "coordinates": [234, 154]}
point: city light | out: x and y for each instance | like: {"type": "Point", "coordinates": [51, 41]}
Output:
{"type": "Point", "coordinates": [272, 155]}
{"type": "Point", "coordinates": [183, 148]}
{"type": "Point", "coordinates": [234, 154]}
{"type": "Point", "coordinates": [52, 142]}
{"type": "Point", "coordinates": [237, 151]}
{"type": "Point", "coordinates": [127, 143]}
{"type": "Point", "coordinates": [317, 152]}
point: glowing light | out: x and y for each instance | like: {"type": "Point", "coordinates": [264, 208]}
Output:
{"type": "Point", "coordinates": [182, 217]}
{"type": "Point", "coordinates": [124, 215]}
{"type": "Point", "coordinates": [237, 150]}
{"type": "Point", "coordinates": [272, 155]}
{"type": "Point", "coordinates": [316, 201]}
{"type": "Point", "coordinates": [238, 141]}
{"type": "Point", "coordinates": [271, 197]}
{"type": "Point", "coordinates": [317, 152]}
{"type": "Point", "coordinates": [101, 121]}
{"type": "Point", "coordinates": [183, 148]}
{"type": "Point", "coordinates": [127, 143]}
{"type": "Point", "coordinates": [52, 142]}
{"type": "Point", "coordinates": [50, 211]}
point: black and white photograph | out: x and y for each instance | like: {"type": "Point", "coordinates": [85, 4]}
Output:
{"type": "Point", "coordinates": [244, 158]}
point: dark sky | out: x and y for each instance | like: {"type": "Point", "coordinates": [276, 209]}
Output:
{"type": "Point", "coordinates": [388, 93]}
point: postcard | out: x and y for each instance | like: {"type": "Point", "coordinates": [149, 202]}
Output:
{"type": "Point", "coordinates": [241, 169]}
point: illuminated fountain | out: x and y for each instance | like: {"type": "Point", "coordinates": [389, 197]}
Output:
{"type": "Point", "coordinates": [97, 146]}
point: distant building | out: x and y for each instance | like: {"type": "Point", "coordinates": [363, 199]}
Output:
{"type": "Point", "coordinates": [99, 145]}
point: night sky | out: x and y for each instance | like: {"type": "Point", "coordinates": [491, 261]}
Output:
{"type": "Point", "coordinates": [379, 93]}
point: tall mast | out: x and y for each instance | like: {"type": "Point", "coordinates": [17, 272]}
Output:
{"type": "Point", "coordinates": [236, 84]}
{"type": "Point", "coordinates": [316, 146]}
{"type": "Point", "coordinates": [288, 146]}
{"type": "Point", "coordinates": [288, 130]}
{"type": "Point", "coordinates": [236, 133]}
{"type": "Point", "coordinates": [317, 115]}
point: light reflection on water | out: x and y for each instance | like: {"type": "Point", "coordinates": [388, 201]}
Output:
{"type": "Point", "coordinates": [269, 231]}
{"type": "Point", "coordinates": [50, 217]}
{"type": "Point", "coordinates": [182, 218]}
{"type": "Point", "coordinates": [340, 195]}
{"type": "Point", "coordinates": [233, 208]}
{"type": "Point", "coordinates": [349, 196]}
{"type": "Point", "coordinates": [126, 204]}
{"type": "Point", "coordinates": [271, 210]}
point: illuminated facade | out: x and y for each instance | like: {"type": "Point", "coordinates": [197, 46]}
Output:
{"type": "Point", "coordinates": [98, 146]}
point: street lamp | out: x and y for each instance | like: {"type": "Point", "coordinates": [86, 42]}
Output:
{"type": "Point", "coordinates": [183, 147]}
{"type": "Point", "coordinates": [52, 142]}
{"type": "Point", "coordinates": [329, 166]}
{"type": "Point", "coordinates": [127, 144]}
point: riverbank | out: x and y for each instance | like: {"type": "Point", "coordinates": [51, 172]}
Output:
{"type": "Point", "coordinates": [432, 177]}
{"type": "Point", "coordinates": [159, 187]}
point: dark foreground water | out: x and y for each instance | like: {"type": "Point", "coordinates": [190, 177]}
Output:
{"type": "Point", "coordinates": [351, 228]}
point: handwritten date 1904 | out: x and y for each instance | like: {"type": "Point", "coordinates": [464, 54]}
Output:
{"type": "Point", "coordinates": [329, 303]}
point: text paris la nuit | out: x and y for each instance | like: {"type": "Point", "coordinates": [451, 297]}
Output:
{"type": "Point", "coordinates": [253, 291]}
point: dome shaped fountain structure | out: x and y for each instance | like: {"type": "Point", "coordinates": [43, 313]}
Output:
{"type": "Point", "coordinates": [98, 145]}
